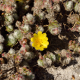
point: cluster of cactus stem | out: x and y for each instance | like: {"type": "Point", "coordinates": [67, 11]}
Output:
{"type": "Point", "coordinates": [19, 32]}
{"type": "Point", "coordinates": [18, 57]}
{"type": "Point", "coordinates": [63, 56]}
{"type": "Point", "coordinates": [54, 28]}
{"type": "Point", "coordinates": [46, 60]}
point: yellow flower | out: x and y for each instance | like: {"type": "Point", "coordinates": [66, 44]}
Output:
{"type": "Point", "coordinates": [40, 41]}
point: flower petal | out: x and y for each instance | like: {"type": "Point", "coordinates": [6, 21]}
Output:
{"type": "Point", "coordinates": [37, 48]}
{"type": "Point", "coordinates": [41, 49]}
{"type": "Point", "coordinates": [35, 34]}
{"type": "Point", "coordinates": [39, 33]}
{"type": "Point", "coordinates": [44, 34]}
{"type": "Point", "coordinates": [33, 45]}
{"type": "Point", "coordinates": [32, 39]}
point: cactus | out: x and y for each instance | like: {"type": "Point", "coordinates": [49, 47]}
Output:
{"type": "Point", "coordinates": [29, 56]}
{"type": "Point", "coordinates": [18, 58]}
{"type": "Point", "coordinates": [1, 48]}
{"type": "Point", "coordinates": [9, 28]}
{"type": "Point", "coordinates": [17, 77]}
{"type": "Point", "coordinates": [11, 41]}
{"type": "Point", "coordinates": [23, 70]}
{"type": "Point", "coordinates": [28, 19]}
{"type": "Point", "coordinates": [73, 18]}
{"type": "Point", "coordinates": [76, 27]}
{"type": "Point", "coordinates": [1, 39]}
{"type": "Point", "coordinates": [26, 28]}
{"type": "Point", "coordinates": [39, 28]}
{"type": "Point", "coordinates": [11, 53]}
{"type": "Point", "coordinates": [46, 60]}
{"type": "Point", "coordinates": [8, 19]}
{"type": "Point", "coordinates": [54, 28]}
{"type": "Point", "coordinates": [77, 8]}
{"type": "Point", "coordinates": [17, 34]}
{"type": "Point", "coordinates": [68, 5]}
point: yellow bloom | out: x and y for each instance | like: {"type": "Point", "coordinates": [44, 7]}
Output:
{"type": "Point", "coordinates": [40, 41]}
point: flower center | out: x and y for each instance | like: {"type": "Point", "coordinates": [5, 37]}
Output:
{"type": "Point", "coordinates": [39, 42]}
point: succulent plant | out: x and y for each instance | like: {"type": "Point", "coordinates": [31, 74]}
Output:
{"type": "Point", "coordinates": [29, 56]}
{"type": "Point", "coordinates": [42, 16]}
{"type": "Point", "coordinates": [54, 28]}
{"type": "Point", "coordinates": [11, 41]}
{"type": "Point", "coordinates": [26, 28]}
{"type": "Point", "coordinates": [18, 24]}
{"type": "Point", "coordinates": [17, 77]}
{"type": "Point", "coordinates": [56, 7]}
{"type": "Point", "coordinates": [29, 35]}
{"type": "Point", "coordinates": [5, 55]}
{"type": "Point", "coordinates": [73, 18]}
{"type": "Point", "coordinates": [17, 34]}
{"type": "Point", "coordinates": [11, 53]}
{"type": "Point", "coordinates": [28, 19]}
{"type": "Point", "coordinates": [1, 60]}
{"type": "Point", "coordinates": [8, 19]}
{"type": "Point", "coordinates": [9, 28]}
{"type": "Point", "coordinates": [23, 41]}
{"type": "Point", "coordinates": [39, 28]}
{"type": "Point", "coordinates": [76, 27]}
{"type": "Point", "coordinates": [1, 39]}
{"type": "Point", "coordinates": [68, 5]}
{"type": "Point", "coordinates": [18, 58]}
{"type": "Point", "coordinates": [77, 8]}
{"type": "Point", "coordinates": [1, 48]}
{"type": "Point", "coordinates": [46, 60]}
{"type": "Point", "coordinates": [22, 27]}
{"type": "Point", "coordinates": [66, 61]}
{"type": "Point", "coordinates": [23, 70]}
{"type": "Point", "coordinates": [56, 1]}
{"type": "Point", "coordinates": [71, 45]}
